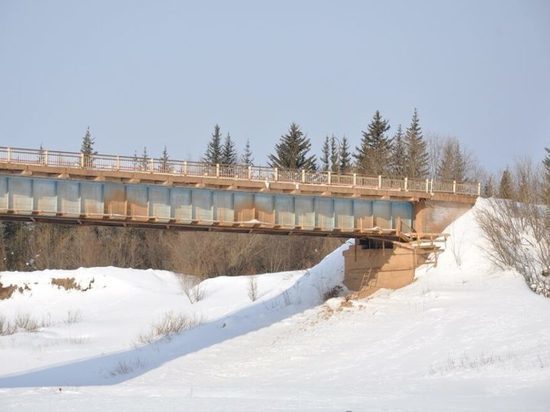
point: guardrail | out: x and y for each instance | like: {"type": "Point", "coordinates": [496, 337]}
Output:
{"type": "Point", "coordinates": [242, 172]}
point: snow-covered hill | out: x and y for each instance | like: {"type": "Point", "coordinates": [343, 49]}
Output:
{"type": "Point", "coordinates": [464, 336]}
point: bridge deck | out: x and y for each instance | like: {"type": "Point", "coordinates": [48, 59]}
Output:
{"type": "Point", "coordinates": [66, 187]}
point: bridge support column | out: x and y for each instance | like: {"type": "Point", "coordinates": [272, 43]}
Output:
{"type": "Point", "coordinates": [420, 212]}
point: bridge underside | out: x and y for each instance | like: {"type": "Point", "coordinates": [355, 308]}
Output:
{"type": "Point", "coordinates": [91, 202]}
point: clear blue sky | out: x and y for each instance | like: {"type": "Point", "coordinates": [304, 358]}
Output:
{"type": "Point", "coordinates": [164, 72]}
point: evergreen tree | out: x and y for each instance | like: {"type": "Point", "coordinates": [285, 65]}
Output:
{"type": "Point", "coordinates": [41, 155]}
{"type": "Point", "coordinates": [247, 158]}
{"type": "Point", "coordinates": [229, 152]}
{"type": "Point", "coordinates": [87, 148]}
{"type": "Point", "coordinates": [334, 154]}
{"type": "Point", "coordinates": [399, 154]}
{"type": "Point", "coordinates": [144, 160]}
{"type": "Point", "coordinates": [417, 154]}
{"type": "Point", "coordinates": [165, 161]}
{"type": "Point", "coordinates": [373, 155]}
{"type": "Point", "coordinates": [325, 156]}
{"type": "Point", "coordinates": [345, 157]}
{"type": "Point", "coordinates": [506, 187]}
{"type": "Point", "coordinates": [292, 151]}
{"type": "Point", "coordinates": [546, 164]}
{"type": "Point", "coordinates": [213, 153]}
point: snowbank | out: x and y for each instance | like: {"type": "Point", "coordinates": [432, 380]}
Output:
{"type": "Point", "coordinates": [463, 336]}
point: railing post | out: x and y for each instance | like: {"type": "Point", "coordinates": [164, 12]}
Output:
{"type": "Point", "coordinates": [454, 186]}
{"type": "Point", "coordinates": [329, 177]}
{"type": "Point", "coordinates": [185, 168]}
{"type": "Point", "coordinates": [355, 179]}
{"type": "Point", "coordinates": [82, 160]}
{"type": "Point", "coordinates": [379, 182]}
{"type": "Point", "coordinates": [431, 186]}
{"type": "Point", "coordinates": [9, 154]}
{"type": "Point", "coordinates": [249, 172]}
{"type": "Point", "coordinates": [276, 174]}
{"type": "Point", "coordinates": [46, 158]}
{"type": "Point", "coordinates": [118, 163]}
{"type": "Point", "coordinates": [406, 184]}
{"type": "Point", "coordinates": [479, 188]}
{"type": "Point", "coordinates": [303, 175]}
{"type": "Point", "coordinates": [427, 185]}
{"type": "Point", "coordinates": [217, 170]}
{"type": "Point", "coordinates": [152, 165]}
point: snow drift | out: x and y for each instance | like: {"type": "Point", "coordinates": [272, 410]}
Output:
{"type": "Point", "coordinates": [463, 336]}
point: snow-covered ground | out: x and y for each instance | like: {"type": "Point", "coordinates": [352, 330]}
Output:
{"type": "Point", "coordinates": [463, 336]}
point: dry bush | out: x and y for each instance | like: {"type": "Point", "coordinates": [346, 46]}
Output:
{"type": "Point", "coordinates": [519, 234]}
{"type": "Point", "coordinates": [6, 291]}
{"type": "Point", "coordinates": [73, 316]}
{"type": "Point", "coordinates": [40, 246]}
{"type": "Point", "coordinates": [126, 367]}
{"type": "Point", "coordinates": [65, 283]}
{"type": "Point", "coordinates": [7, 328]}
{"type": "Point", "coordinates": [252, 288]}
{"type": "Point", "coordinates": [193, 288]}
{"type": "Point", "coordinates": [171, 324]}
{"type": "Point", "coordinates": [25, 322]}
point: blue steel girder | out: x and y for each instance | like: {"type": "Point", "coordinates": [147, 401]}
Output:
{"type": "Point", "coordinates": [202, 206]}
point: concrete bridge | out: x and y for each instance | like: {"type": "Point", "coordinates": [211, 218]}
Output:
{"type": "Point", "coordinates": [65, 187]}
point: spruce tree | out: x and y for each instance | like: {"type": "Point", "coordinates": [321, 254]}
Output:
{"type": "Point", "coordinates": [325, 156]}
{"type": "Point", "coordinates": [373, 155]}
{"type": "Point", "coordinates": [345, 157]}
{"type": "Point", "coordinates": [246, 157]}
{"type": "Point", "coordinates": [229, 152]}
{"type": "Point", "coordinates": [399, 155]}
{"type": "Point", "coordinates": [165, 161]}
{"type": "Point", "coordinates": [213, 153]}
{"type": "Point", "coordinates": [87, 148]}
{"type": "Point", "coordinates": [292, 151]}
{"type": "Point", "coordinates": [41, 155]}
{"type": "Point", "coordinates": [416, 150]}
{"type": "Point", "coordinates": [144, 160]}
{"type": "Point", "coordinates": [506, 187]}
{"type": "Point", "coordinates": [546, 164]}
{"type": "Point", "coordinates": [334, 154]}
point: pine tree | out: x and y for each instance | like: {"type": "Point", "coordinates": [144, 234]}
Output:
{"type": "Point", "coordinates": [144, 160]}
{"type": "Point", "coordinates": [546, 164]}
{"type": "Point", "coordinates": [373, 155]}
{"type": "Point", "coordinates": [247, 158]}
{"type": "Point", "coordinates": [213, 153]}
{"type": "Point", "coordinates": [165, 161]}
{"type": "Point", "coordinates": [506, 187]}
{"type": "Point", "coordinates": [41, 155]}
{"type": "Point", "coordinates": [229, 152]}
{"type": "Point", "coordinates": [399, 155]}
{"type": "Point", "coordinates": [87, 148]}
{"type": "Point", "coordinates": [417, 154]}
{"type": "Point", "coordinates": [325, 156]}
{"type": "Point", "coordinates": [292, 151]}
{"type": "Point", "coordinates": [334, 154]}
{"type": "Point", "coordinates": [345, 157]}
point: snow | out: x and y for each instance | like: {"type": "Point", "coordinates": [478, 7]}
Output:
{"type": "Point", "coordinates": [463, 336]}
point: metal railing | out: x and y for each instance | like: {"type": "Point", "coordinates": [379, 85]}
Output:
{"type": "Point", "coordinates": [56, 158]}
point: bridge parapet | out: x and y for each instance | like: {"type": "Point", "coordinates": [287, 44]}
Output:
{"type": "Point", "coordinates": [33, 160]}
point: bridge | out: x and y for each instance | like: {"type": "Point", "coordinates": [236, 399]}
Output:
{"type": "Point", "coordinates": [73, 188]}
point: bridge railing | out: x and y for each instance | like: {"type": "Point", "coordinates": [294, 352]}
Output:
{"type": "Point", "coordinates": [142, 164]}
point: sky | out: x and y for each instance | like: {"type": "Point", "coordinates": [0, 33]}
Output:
{"type": "Point", "coordinates": [155, 73]}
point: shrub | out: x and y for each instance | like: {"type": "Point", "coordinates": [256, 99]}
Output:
{"type": "Point", "coordinates": [171, 324]}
